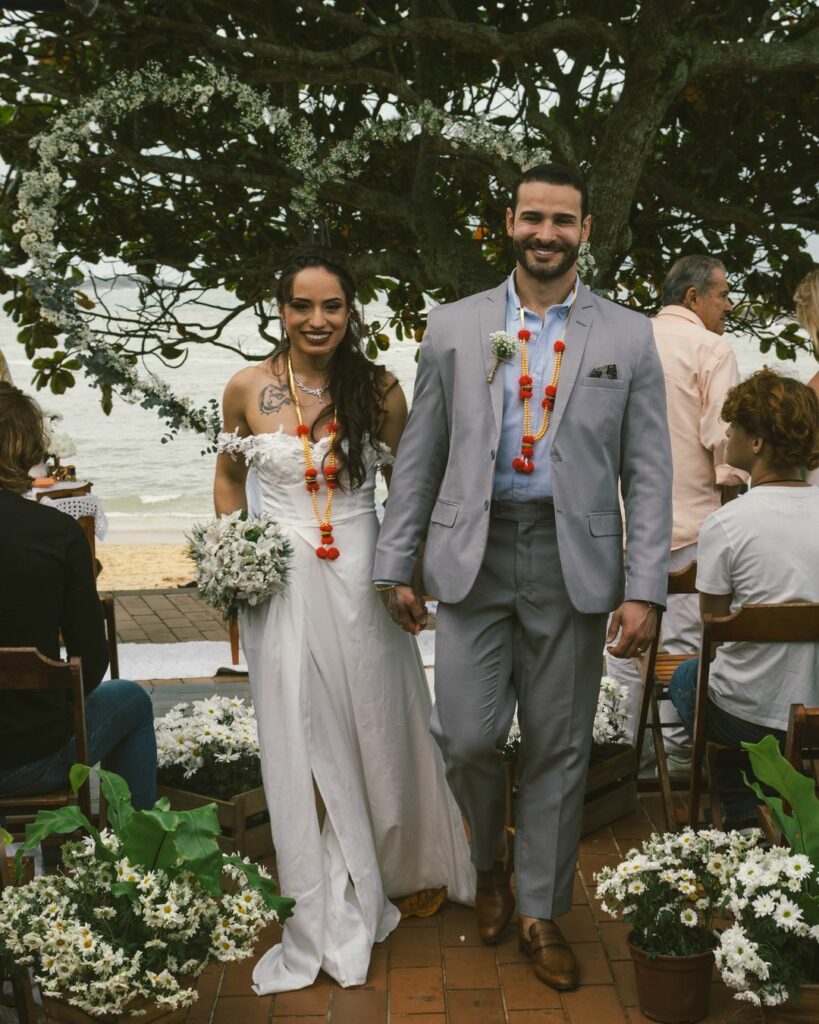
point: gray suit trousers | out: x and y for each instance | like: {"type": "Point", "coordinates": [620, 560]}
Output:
{"type": "Point", "coordinates": [516, 638]}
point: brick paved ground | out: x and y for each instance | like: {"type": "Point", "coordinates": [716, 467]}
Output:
{"type": "Point", "coordinates": [165, 616]}
{"type": "Point", "coordinates": [435, 971]}
{"type": "Point", "coordinates": [432, 971]}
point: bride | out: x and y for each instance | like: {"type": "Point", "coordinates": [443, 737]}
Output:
{"type": "Point", "coordinates": [341, 695]}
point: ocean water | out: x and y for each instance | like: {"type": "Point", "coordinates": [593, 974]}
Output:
{"type": "Point", "coordinates": [153, 492]}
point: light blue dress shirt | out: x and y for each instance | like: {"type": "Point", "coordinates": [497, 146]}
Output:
{"type": "Point", "coordinates": [537, 485]}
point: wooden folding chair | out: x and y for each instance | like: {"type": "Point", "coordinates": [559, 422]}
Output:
{"type": "Point", "coordinates": [658, 669]}
{"type": "Point", "coordinates": [790, 622]}
{"type": "Point", "coordinates": [109, 615]}
{"type": "Point", "coordinates": [802, 751]}
{"type": "Point", "coordinates": [24, 668]}
{"type": "Point", "coordinates": [20, 981]}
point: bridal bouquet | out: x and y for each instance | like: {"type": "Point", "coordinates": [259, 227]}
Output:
{"type": "Point", "coordinates": [239, 560]}
{"type": "Point", "coordinates": [209, 746]}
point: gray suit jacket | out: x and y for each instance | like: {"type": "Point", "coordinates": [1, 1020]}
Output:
{"type": "Point", "coordinates": [605, 433]}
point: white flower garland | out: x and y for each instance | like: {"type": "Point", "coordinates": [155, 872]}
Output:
{"type": "Point", "coordinates": [41, 189]}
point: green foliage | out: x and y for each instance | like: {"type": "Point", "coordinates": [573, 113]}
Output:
{"type": "Point", "coordinates": [801, 825]}
{"type": "Point", "coordinates": [177, 842]}
{"type": "Point", "coordinates": [705, 148]}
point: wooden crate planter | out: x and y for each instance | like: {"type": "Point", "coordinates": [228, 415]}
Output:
{"type": "Point", "coordinates": [249, 838]}
{"type": "Point", "coordinates": [611, 788]}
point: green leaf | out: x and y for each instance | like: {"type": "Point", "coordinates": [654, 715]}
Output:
{"type": "Point", "coordinates": [208, 870]}
{"type": "Point", "coordinates": [148, 839]}
{"type": "Point", "coordinates": [5, 837]}
{"type": "Point", "coordinates": [283, 905]}
{"type": "Point", "coordinates": [196, 833]}
{"type": "Point", "coordinates": [128, 889]}
{"type": "Point", "coordinates": [61, 822]}
{"type": "Point", "coordinates": [772, 769]}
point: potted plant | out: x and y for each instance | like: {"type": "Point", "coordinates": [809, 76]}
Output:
{"type": "Point", "coordinates": [771, 954]}
{"type": "Point", "coordinates": [670, 891]}
{"type": "Point", "coordinates": [137, 913]}
{"type": "Point", "coordinates": [208, 752]}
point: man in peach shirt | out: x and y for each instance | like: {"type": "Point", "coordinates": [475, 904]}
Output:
{"type": "Point", "coordinates": [699, 367]}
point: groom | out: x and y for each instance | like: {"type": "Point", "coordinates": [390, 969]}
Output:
{"type": "Point", "coordinates": [524, 544]}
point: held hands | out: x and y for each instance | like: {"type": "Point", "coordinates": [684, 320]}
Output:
{"type": "Point", "coordinates": [636, 622]}
{"type": "Point", "coordinates": [406, 608]}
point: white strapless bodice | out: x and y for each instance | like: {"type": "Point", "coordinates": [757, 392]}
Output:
{"type": "Point", "coordinates": [277, 463]}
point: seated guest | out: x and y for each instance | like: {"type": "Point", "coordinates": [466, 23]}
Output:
{"type": "Point", "coordinates": [699, 368]}
{"type": "Point", "coordinates": [47, 587]}
{"type": "Point", "coordinates": [762, 548]}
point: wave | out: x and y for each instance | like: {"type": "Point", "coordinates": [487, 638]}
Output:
{"type": "Point", "coordinates": [155, 499]}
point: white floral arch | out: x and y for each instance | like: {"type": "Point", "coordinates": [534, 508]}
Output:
{"type": "Point", "coordinates": [56, 150]}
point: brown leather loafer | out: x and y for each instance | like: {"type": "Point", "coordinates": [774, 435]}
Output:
{"type": "Point", "coordinates": [494, 902]}
{"type": "Point", "coordinates": [552, 957]}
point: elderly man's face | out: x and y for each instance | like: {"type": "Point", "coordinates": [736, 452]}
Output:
{"type": "Point", "coordinates": [713, 304]}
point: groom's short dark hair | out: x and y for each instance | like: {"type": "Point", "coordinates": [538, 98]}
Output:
{"type": "Point", "coordinates": [554, 174]}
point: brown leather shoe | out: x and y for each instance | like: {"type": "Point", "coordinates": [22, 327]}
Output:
{"type": "Point", "coordinates": [552, 956]}
{"type": "Point", "coordinates": [494, 902]}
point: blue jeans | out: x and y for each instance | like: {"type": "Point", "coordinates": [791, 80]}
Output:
{"type": "Point", "coordinates": [738, 801]}
{"type": "Point", "coordinates": [119, 722]}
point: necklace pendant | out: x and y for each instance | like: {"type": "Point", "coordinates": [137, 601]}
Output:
{"type": "Point", "coordinates": [523, 465]}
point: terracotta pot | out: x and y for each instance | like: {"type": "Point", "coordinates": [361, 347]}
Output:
{"type": "Point", "coordinates": [790, 1013]}
{"type": "Point", "coordinates": [673, 989]}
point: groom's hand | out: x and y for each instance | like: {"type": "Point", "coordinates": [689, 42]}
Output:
{"type": "Point", "coordinates": [636, 621]}
{"type": "Point", "coordinates": [406, 608]}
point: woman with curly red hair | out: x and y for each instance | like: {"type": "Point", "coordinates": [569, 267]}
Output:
{"type": "Point", "coordinates": [762, 548]}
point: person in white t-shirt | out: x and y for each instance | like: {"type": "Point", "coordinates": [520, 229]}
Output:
{"type": "Point", "coordinates": [762, 548]}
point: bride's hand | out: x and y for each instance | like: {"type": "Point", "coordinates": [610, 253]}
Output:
{"type": "Point", "coordinates": [406, 608]}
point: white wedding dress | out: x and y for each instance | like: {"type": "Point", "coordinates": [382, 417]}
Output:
{"type": "Point", "coordinates": [342, 703]}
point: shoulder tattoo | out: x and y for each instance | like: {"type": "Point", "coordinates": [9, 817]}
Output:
{"type": "Point", "coordinates": [273, 397]}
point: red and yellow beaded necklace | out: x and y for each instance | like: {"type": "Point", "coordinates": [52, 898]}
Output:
{"type": "Point", "coordinates": [327, 548]}
{"type": "Point", "coordinates": [523, 463]}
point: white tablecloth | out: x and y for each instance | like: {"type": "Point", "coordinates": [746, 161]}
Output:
{"type": "Point", "coordinates": [74, 506]}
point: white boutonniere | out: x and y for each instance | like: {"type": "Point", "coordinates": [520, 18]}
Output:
{"type": "Point", "coordinates": [504, 347]}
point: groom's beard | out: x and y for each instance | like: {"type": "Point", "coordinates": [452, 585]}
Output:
{"type": "Point", "coordinates": [565, 263]}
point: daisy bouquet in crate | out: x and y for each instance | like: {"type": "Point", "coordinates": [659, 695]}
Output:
{"type": "Point", "coordinates": [673, 887]}
{"type": "Point", "coordinates": [239, 560]}
{"type": "Point", "coordinates": [209, 746]}
{"type": "Point", "coordinates": [772, 950]}
{"type": "Point", "coordinates": [138, 911]}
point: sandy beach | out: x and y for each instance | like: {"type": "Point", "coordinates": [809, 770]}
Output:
{"type": "Point", "coordinates": [143, 566]}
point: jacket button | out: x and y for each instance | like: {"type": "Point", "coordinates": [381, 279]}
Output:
{"type": "Point", "coordinates": [492, 454]}
{"type": "Point", "coordinates": [486, 506]}
{"type": "Point", "coordinates": [556, 457]}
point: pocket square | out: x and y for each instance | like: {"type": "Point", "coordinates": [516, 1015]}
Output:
{"type": "Point", "coordinates": [608, 371]}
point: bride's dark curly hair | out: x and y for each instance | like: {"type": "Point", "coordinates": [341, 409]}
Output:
{"type": "Point", "coordinates": [357, 385]}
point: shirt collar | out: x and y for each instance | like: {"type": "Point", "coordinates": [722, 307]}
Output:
{"type": "Point", "coordinates": [513, 302]}
{"type": "Point", "coordinates": [683, 312]}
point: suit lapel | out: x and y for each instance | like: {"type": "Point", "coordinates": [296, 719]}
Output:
{"type": "Point", "coordinates": [576, 338]}
{"type": "Point", "coordinates": [492, 317]}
